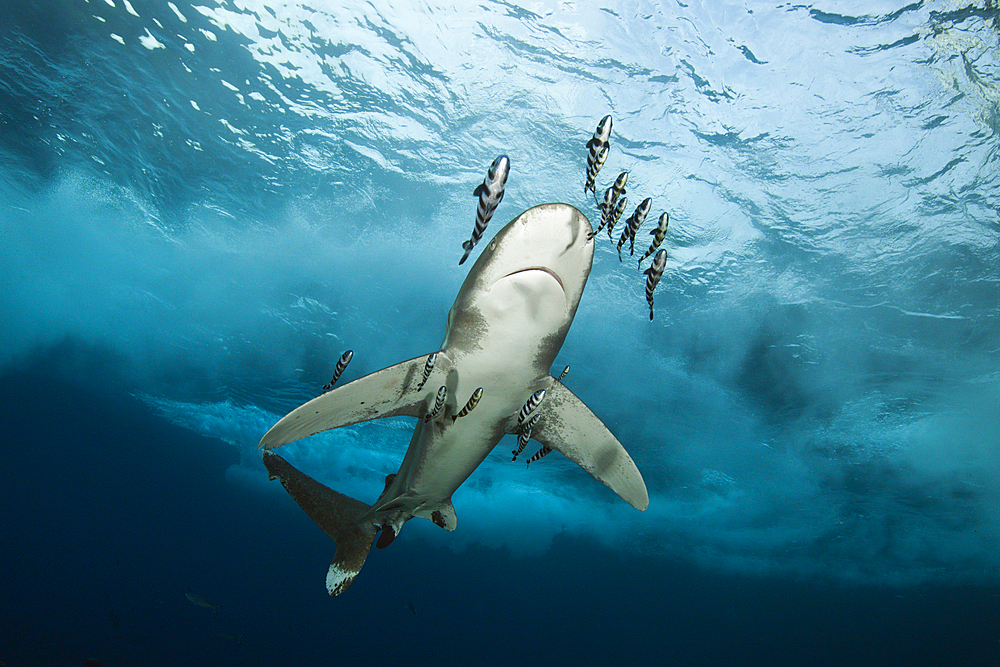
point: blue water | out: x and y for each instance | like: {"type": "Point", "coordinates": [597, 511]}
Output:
{"type": "Point", "coordinates": [203, 205]}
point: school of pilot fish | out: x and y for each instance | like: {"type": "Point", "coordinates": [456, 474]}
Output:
{"type": "Point", "coordinates": [613, 206]}
{"type": "Point", "coordinates": [490, 193]}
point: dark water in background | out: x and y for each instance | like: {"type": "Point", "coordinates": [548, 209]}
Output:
{"type": "Point", "coordinates": [202, 206]}
{"type": "Point", "coordinates": [112, 514]}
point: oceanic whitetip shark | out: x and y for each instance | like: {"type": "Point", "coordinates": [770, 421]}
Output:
{"type": "Point", "coordinates": [504, 331]}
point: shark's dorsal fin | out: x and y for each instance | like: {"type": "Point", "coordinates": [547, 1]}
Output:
{"type": "Point", "coordinates": [390, 392]}
{"type": "Point", "coordinates": [567, 425]}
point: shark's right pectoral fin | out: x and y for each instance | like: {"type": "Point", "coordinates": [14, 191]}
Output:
{"type": "Point", "coordinates": [339, 516]}
{"type": "Point", "coordinates": [567, 425]}
{"type": "Point", "coordinates": [390, 392]}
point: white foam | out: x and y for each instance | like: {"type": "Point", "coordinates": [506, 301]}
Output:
{"type": "Point", "coordinates": [177, 12]}
{"type": "Point", "coordinates": [151, 42]}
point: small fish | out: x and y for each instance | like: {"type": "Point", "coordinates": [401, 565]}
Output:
{"type": "Point", "coordinates": [530, 405]}
{"type": "Point", "coordinates": [598, 147]}
{"type": "Point", "coordinates": [564, 373]}
{"type": "Point", "coordinates": [620, 205]}
{"type": "Point", "coordinates": [653, 274]}
{"type": "Point", "coordinates": [525, 435]}
{"type": "Point", "coordinates": [618, 190]}
{"type": "Point", "coordinates": [428, 367]}
{"type": "Point", "coordinates": [199, 601]}
{"type": "Point", "coordinates": [345, 359]}
{"type": "Point", "coordinates": [471, 405]}
{"type": "Point", "coordinates": [616, 215]}
{"type": "Point", "coordinates": [658, 235]}
{"type": "Point", "coordinates": [539, 454]}
{"type": "Point", "coordinates": [490, 193]}
{"type": "Point", "coordinates": [619, 185]}
{"type": "Point", "coordinates": [635, 222]}
{"type": "Point", "coordinates": [607, 208]}
{"type": "Point", "coordinates": [593, 166]}
{"type": "Point", "coordinates": [621, 241]}
{"type": "Point", "coordinates": [438, 404]}
{"type": "Point", "coordinates": [618, 196]}
{"type": "Point", "coordinates": [411, 608]}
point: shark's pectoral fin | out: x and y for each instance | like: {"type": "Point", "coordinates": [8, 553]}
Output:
{"type": "Point", "coordinates": [390, 392]}
{"type": "Point", "coordinates": [339, 516]}
{"type": "Point", "coordinates": [567, 425]}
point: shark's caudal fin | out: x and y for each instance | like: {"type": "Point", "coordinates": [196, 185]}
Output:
{"type": "Point", "coordinates": [390, 392]}
{"type": "Point", "coordinates": [567, 425]}
{"type": "Point", "coordinates": [338, 515]}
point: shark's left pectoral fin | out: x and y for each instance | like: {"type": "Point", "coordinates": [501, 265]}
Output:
{"type": "Point", "coordinates": [567, 425]}
{"type": "Point", "coordinates": [390, 392]}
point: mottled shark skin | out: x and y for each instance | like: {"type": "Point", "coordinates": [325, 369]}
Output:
{"type": "Point", "coordinates": [504, 331]}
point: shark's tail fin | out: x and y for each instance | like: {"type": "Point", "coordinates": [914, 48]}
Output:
{"type": "Point", "coordinates": [336, 514]}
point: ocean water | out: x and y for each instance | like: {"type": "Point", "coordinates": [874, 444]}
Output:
{"type": "Point", "coordinates": [203, 205]}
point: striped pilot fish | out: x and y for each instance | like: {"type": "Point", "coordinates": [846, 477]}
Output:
{"type": "Point", "coordinates": [617, 196]}
{"type": "Point", "coordinates": [529, 406]}
{"type": "Point", "coordinates": [653, 274]}
{"type": "Point", "coordinates": [633, 223]}
{"type": "Point", "coordinates": [598, 147]}
{"type": "Point", "coordinates": [593, 167]}
{"type": "Point", "coordinates": [539, 454]}
{"type": "Point", "coordinates": [438, 404]}
{"type": "Point", "coordinates": [428, 367]}
{"type": "Point", "coordinates": [658, 235]}
{"type": "Point", "coordinates": [345, 359]}
{"type": "Point", "coordinates": [490, 193]}
{"type": "Point", "coordinates": [618, 187]}
{"type": "Point", "coordinates": [524, 436]}
{"type": "Point", "coordinates": [636, 221]}
{"type": "Point", "coordinates": [471, 405]}
{"type": "Point", "coordinates": [607, 208]}
{"type": "Point", "coordinates": [616, 215]}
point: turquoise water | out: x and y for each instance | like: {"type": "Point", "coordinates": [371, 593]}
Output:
{"type": "Point", "coordinates": [203, 205]}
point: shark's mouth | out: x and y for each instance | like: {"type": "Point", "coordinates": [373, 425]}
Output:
{"type": "Point", "coordinates": [543, 269]}
{"type": "Point", "coordinates": [538, 280]}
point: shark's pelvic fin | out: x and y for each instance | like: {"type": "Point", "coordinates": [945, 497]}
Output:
{"type": "Point", "coordinates": [390, 392]}
{"type": "Point", "coordinates": [338, 515]}
{"type": "Point", "coordinates": [567, 425]}
{"type": "Point", "coordinates": [442, 514]}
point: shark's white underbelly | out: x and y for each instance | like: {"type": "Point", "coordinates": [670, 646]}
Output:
{"type": "Point", "coordinates": [444, 452]}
